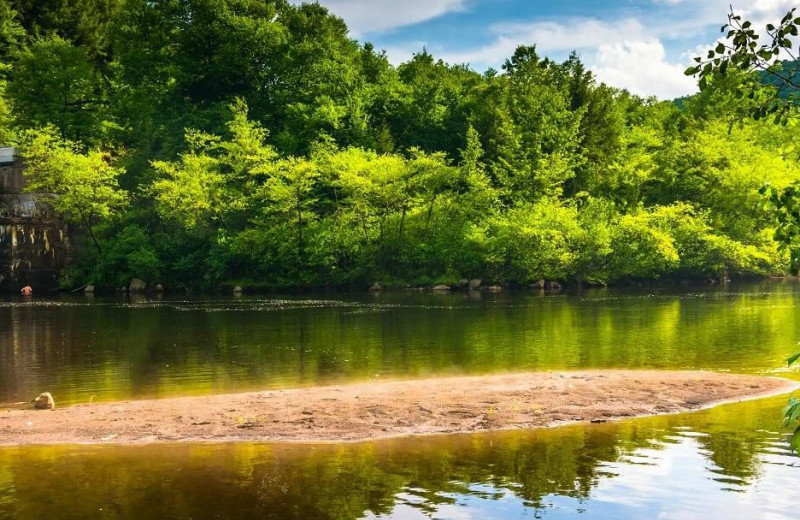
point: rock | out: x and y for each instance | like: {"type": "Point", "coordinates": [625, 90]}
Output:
{"type": "Point", "coordinates": [475, 283]}
{"type": "Point", "coordinates": [541, 283]}
{"type": "Point", "coordinates": [238, 289]}
{"type": "Point", "coordinates": [554, 286]}
{"type": "Point", "coordinates": [376, 287]}
{"type": "Point", "coordinates": [495, 288]}
{"type": "Point", "coordinates": [441, 288]}
{"type": "Point", "coordinates": [44, 401]}
{"type": "Point", "coordinates": [159, 287]}
{"type": "Point", "coordinates": [26, 291]}
{"type": "Point", "coordinates": [463, 282]}
{"type": "Point", "coordinates": [137, 285]}
{"type": "Point", "coordinates": [89, 289]}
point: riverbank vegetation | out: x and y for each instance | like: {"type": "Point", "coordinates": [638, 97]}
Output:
{"type": "Point", "coordinates": [203, 142]}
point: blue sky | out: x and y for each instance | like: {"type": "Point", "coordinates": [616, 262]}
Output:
{"type": "Point", "coordinates": [641, 45]}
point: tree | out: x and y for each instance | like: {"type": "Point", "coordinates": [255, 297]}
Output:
{"type": "Point", "coordinates": [52, 83]}
{"type": "Point", "coordinates": [84, 185]}
{"type": "Point", "coordinates": [85, 23]}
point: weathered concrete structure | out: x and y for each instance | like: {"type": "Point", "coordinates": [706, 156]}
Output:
{"type": "Point", "coordinates": [33, 240]}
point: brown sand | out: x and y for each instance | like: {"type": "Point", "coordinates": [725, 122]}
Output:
{"type": "Point", "coordinates": [373, 410]}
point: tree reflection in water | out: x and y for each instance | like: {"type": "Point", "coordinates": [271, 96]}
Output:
{"type": "Point", "coordinates": [722, 460]}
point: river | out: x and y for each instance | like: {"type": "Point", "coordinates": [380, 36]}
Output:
{"type": "Point", "coordinates": [728, 462]}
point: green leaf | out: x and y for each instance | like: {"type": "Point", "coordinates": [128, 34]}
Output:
{"type": "Point", "coordinates": [720, 48]}
{"type": "Point", "coordinates": [793, 359]}
{"type": "Point", "coordinates": [792, 411]}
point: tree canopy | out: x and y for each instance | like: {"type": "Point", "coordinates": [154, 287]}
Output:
{"type": "Point", "coordinates": [208, 142]}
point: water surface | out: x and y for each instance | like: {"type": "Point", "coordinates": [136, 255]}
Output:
{"type": "Point", "coordinates": [728, 462]}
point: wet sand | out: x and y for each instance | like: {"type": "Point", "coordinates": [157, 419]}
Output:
{"type": "Point", "coordinates": [374, 410]}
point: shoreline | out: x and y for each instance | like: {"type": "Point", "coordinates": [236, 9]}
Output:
{"type": "Point", "coordinates": [254, 289]}
{"type": "Point", "coordinates": [387, 409]}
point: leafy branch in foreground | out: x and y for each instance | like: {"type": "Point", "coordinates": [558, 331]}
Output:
{"type": "Point", "coordinates": [766, 87]}
{"type": "Point", "coordinates": [769, 83]}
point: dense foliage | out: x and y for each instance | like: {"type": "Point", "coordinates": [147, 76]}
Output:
{"type": "Point", "coordinates": [203, 142]}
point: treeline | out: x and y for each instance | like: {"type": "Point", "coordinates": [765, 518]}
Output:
{"type": "Point", "coordinates": [203, 142]}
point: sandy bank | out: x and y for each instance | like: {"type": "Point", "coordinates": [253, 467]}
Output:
{"type": "Point", "coordinates": [374, 410]}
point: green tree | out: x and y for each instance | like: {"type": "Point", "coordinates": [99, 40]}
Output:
{"type": "Point", "coordinates": [83, 185]}
{"type": "Point", "coordinates": [52, 83]}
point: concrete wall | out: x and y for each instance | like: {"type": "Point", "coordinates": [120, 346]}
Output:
{"type": "Point", "coordinates": [11, 179]}
{"type": "Point", "coordinates": [34, 243]}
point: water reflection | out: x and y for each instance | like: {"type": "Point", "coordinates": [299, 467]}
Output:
{"type": "Point", "coordinates": [686, 466]}
{"type": "Point", "coordinates": [727, 462]}
{"type": "Point", "coordinates": [115, 348]}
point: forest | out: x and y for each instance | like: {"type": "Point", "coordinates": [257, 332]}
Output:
{"type": "Point", "coordinates": [208, 143]}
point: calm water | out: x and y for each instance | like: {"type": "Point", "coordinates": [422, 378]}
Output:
{"type": "Point", "coordinates": [728, 462]}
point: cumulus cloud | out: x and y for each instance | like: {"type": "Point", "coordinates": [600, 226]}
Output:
{"type": "Point", "coordinates": [642, 68]}
{"type": "Point", "coordinates": [549, 37]}
{"type": "Point", "coordinates": [377, 16]}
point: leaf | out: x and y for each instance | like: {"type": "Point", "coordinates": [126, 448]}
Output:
{"type": "Point", "coordinates": [794, 443]}
{"type": "Point", "coordinates": [791, 412]}
{"type": "Point", "coordinates": [793, 359]}
{"type": "Point", "coordinates": [720, 48]}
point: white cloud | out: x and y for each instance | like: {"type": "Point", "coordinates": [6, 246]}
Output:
{"type": "Point", "coordinates": [642, 68]}
{"type": "Point", "coordinates": [623, 53]}
{"type": "Point", "coordinates": [376, 16]}
{"type": "Point", "coordinates": [573, 34]}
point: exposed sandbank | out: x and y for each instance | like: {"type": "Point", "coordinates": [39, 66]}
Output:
{"type": "Point", "coordinates": [373, 410]}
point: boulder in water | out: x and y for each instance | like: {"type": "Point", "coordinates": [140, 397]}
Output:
{"type": "Point", "coordinates": [475, 283]}
{"type": "Point", "coordinates": [376, 287]}
{"type": "Point", "coordinates": [137, 285]}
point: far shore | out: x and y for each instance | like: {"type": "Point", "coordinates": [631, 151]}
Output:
{"type": "Point", "coordinates": [376, 410]}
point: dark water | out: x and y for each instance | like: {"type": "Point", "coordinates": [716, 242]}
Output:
{"type": "Point", "coordinates": [728, 462]}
